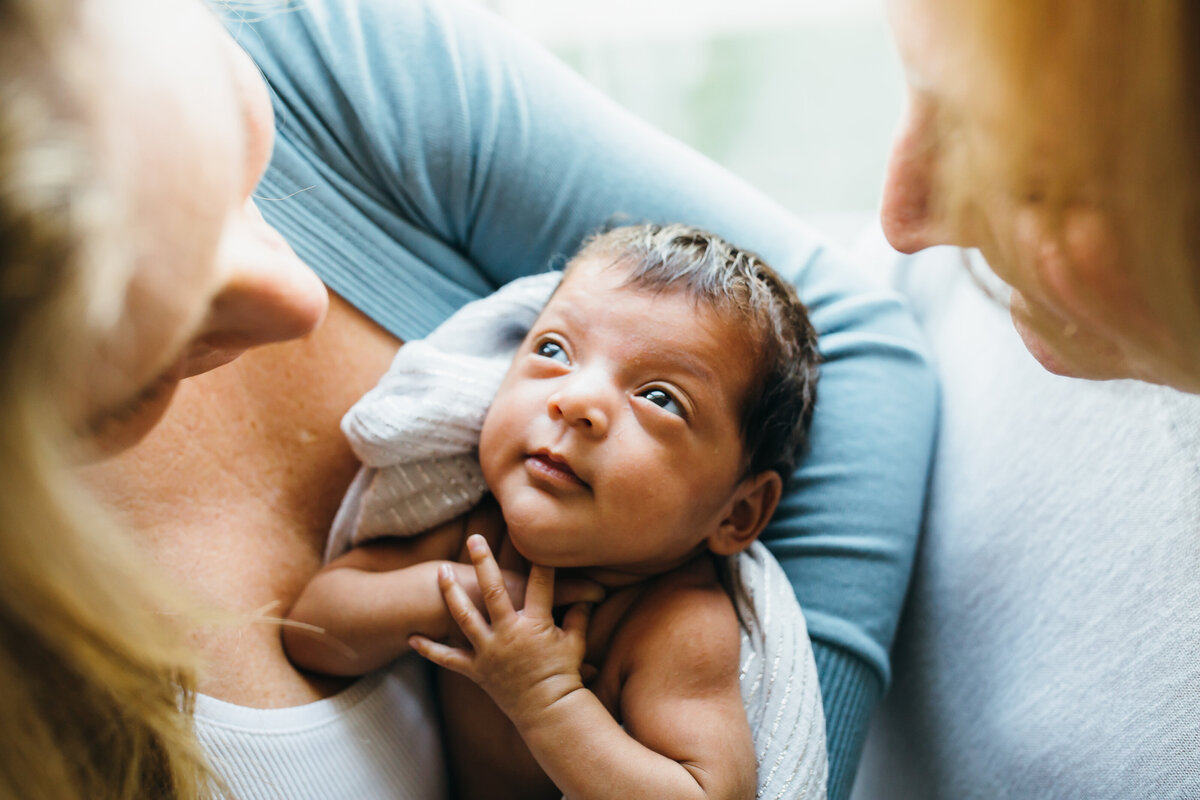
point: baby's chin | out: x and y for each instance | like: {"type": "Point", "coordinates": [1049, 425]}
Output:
{"type": "Point", "coordinates": [534, 548]}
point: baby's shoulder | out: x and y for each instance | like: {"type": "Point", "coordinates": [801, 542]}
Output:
{"type": "Point", "coordinates": [677, 632]}
{"type": "Point", "coordinates": [694, 585]}
{"type": "Point", "coordinates": [681, 615]}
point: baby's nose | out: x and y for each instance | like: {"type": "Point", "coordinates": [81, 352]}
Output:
{"type": "Point", "coordinates": [582, 404]}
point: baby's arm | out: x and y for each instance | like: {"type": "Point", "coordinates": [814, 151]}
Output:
{"type": "Point", "coordinates": [357, 613]}
{"type": "Point", "coordinates": [370, 600]}
{"type": "Point", "coordinates": [685, 735]}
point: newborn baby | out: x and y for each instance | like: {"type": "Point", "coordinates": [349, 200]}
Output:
{"type": "Point", "coordinates": [645, 426]}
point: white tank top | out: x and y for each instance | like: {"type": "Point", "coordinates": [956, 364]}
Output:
{"type": "Point", "coordinates": [377, 739]}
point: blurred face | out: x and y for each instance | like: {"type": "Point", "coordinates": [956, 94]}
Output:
{"type": "Point", "coordinates": [1072, 301]}
{"type": "Point", "coordinates": [614, 439]}
{"type": "Point", "coordinates": [184, 131]}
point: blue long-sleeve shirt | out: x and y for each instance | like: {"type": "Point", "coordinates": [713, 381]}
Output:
{"type": "Point", "coordinates": [427, 154]}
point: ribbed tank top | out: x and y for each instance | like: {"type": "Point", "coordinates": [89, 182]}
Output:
{"type": "Point", "coordinates": [378, 738]}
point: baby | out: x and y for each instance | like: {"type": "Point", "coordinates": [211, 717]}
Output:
{"type": "Point", "coordinates": [645, 426]}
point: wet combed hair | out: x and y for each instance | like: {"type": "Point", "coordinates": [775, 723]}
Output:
{"type": "Point", "coordinates": [778, 409]}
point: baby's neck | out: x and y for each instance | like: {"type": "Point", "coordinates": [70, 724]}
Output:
{"type": "Point", "coordinates": [610, 579]}
{"type": "Point", "coordinates": [488, 515]}
{"type": "Point", "coordinates": [614, 579]}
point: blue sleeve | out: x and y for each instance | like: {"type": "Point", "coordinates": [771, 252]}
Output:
{"type": "Point", "coordinates": [427, 154]}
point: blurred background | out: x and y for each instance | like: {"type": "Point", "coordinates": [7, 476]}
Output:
{"type": "Point", "coordinates": [799, 97]}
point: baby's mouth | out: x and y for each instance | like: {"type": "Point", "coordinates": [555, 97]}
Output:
{"type": "Point", "coordinates": [553, 468]}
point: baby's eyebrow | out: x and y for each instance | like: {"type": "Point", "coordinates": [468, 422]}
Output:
{"type": "Point", "coordinates": [697, 367]}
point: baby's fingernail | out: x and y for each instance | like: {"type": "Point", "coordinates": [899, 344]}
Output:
{"type": "Point", "coordinates": [476, 543]}
{"type": "Point", "coordinates": [445, 573]}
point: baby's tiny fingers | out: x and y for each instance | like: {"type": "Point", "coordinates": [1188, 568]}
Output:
{"type": "Point", "coordinates": [515, 583]}
{"type": "Point", "coordinates": [491, 581]}
{"type": "Point", "coordinates": [539, 591]}
{"type": "Point", "coordinates": [461, 609]}
{"type": "Point", "coordinates": [575, 622]}
{"type": "Point", "coordinates": [450, 658]}
{"type": "Point", "coordinates": [568, 591]}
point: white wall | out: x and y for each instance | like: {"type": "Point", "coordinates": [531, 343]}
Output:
{"type": "Point", "coordinates": [799, 97]}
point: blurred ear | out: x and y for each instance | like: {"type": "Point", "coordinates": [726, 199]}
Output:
{"type": "Point", "coordinates": [749, 511]}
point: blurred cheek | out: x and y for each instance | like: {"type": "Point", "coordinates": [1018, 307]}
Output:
{"type": "Point", "coordinates": [1074, 303]}
{"type": "Point", "coordinates": [1077, 272]}
{"type": "Point", "coordinates": [491, 437]}
{"type": "Point", "coordinates": [258, 117]}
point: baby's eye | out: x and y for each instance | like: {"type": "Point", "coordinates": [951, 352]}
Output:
{"type": "Point", "coordinates": [552, 350]}
{"type": "Point", "coordinates": [664, 400]}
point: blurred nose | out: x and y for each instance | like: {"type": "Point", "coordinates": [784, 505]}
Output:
{"type": "Point", "coordinates": [583, 401]}
{"type": "Point", "coordinates": [267, 295]}
{"type": "Point", "coordinates": [908, 216]}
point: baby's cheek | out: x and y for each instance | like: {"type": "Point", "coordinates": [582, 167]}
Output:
{"type": "Point", "coordinates": [490, 453]}
{"type": "Point", "coordinates": [528, 523]}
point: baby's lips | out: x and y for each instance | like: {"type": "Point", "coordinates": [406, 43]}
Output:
{"type": "Point", "coordinates": [553, 464]}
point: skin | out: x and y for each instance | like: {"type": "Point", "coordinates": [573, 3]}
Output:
{"type": "Point", "coordinates": [673, 727]}
{"type": "Point", "coordinates": [184, 130]}
{"type": "Point", "coordinates": [613, 388]}
{"type": "Point", "coordinates": [1072, 301]}
{"type": "Point", "coordinates": [237, 467]}
{"type": "Point", "coordinates": [582, 444]}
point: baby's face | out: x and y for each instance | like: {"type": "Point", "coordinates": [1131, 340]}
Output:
{"type": "Point", "coordinates": [614, 439]}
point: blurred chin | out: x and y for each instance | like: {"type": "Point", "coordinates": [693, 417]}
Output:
{"type": "Point", "coordinates": [1039, 350]}
{"type": "Point", "coordinates": [210, 360]}
{"type": "Point", "coordinates": [1073, 355]}
{"type": "Point", "coordinates": [116, 434]}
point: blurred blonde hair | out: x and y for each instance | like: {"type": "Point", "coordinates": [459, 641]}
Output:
{"type": "Point", "coordinates": [1092, 102]}
{"type": "Point", "coordinates": [95, 677]}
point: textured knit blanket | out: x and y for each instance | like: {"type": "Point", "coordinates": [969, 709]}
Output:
{"type": "Point", "coordinates": [417, 433]}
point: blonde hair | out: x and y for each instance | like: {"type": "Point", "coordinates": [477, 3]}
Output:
{"type": "Point", "coordinates": [95, 677]}
{"type": "Point", "coordinates": [1074, 101]}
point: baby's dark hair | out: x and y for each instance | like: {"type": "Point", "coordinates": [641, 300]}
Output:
{"type": "Point", "coordinates": [778, 410]}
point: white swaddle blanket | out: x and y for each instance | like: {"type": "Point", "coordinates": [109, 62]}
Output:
{"type": "Point", "coordinates": [417, 432]}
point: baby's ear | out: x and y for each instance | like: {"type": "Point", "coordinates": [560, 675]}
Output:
{"type": "Point", "coordinates": [749, 511]}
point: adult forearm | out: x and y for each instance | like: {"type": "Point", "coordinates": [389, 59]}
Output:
{"type": "Point", "coordinates": [850, 690]}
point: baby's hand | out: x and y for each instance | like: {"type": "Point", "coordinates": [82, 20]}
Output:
{"type": "Point", "coordinates": [515, 569]}
{"type": "Point", "coordinates": [522, 659]}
